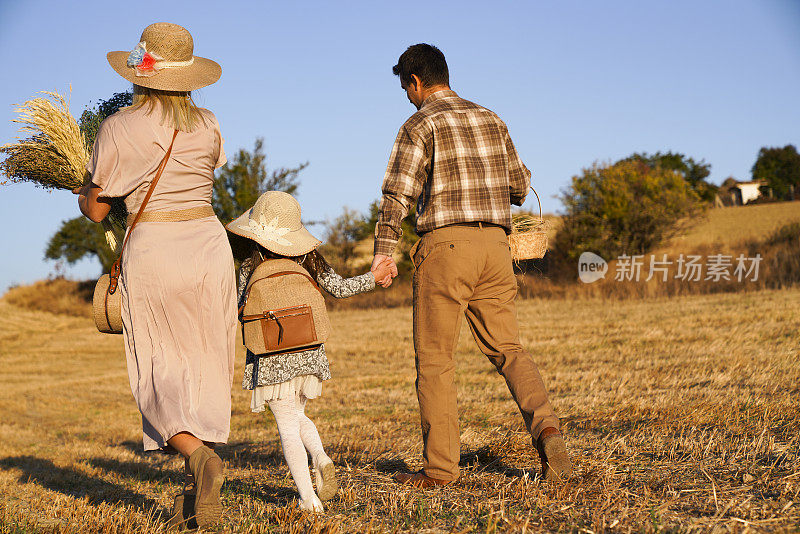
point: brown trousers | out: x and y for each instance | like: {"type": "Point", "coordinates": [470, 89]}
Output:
{"type": "Point", "coordinates": [467, 270]}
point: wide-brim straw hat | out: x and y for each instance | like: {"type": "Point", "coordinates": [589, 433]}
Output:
{"type": "Point", "coordinates": [171, 65]}
{"type": "Point", "coordinates": [274, 223]}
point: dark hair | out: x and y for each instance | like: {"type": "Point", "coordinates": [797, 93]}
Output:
{"type": "Point", "coordinates": [424, 60]}
{"type": "Point", "coordinates": [313, 262]}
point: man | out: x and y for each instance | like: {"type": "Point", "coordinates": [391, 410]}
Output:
{"type": "Point", "coordinates": [456, 160]}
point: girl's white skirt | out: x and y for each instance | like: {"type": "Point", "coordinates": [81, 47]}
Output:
{"type": "Point", "coordinates": [308, 386]}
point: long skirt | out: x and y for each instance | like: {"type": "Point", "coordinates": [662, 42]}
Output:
{"type": "Point", "coordinates": [179, 318]}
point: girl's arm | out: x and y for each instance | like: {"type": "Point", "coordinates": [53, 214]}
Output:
{"type": "Point", "coordinates": [342, 288]}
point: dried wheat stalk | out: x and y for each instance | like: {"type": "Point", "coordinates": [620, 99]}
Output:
{"type": "Point", "coordinates": [55, 156]}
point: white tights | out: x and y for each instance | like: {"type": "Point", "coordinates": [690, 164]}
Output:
{"type": "Point", "coordinates": [298, 435]}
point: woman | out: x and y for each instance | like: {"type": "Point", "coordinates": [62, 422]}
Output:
{"type": "Point", "coordinates": [177, 283]}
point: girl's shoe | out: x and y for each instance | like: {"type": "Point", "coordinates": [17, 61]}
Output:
{"type": "Point", "coordinates": [206, 467]}
{"type": "Point", "coordinates": [311, 505]}
{"type": "Point", "coordinates": [325, 474]}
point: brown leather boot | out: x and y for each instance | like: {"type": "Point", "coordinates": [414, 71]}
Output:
{"type": "Point", "coordinates": [420, 480]}
{"type": "Point", "coordinates": [182, 517]}
{"type": "Point", "coordinates": [206, 467]}
{"type": "Point", "coordinates": [556, 465]}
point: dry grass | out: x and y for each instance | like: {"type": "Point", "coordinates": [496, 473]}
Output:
{"type": "Point", "coordinates": [681, 414]}
{"type": "Point", "coordinates": [733, 225]}
{"type": "Point", "coordinates": [552, 221]}
{"type": "Point", "coordinates": [56, 140]}
{"type": "Point", "coordinates": [719, 226]}
{"type": "Point", "coordinates": [55, 296]}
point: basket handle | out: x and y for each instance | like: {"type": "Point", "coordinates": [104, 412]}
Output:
{"type": "Point", "coordinates": [539, 201]}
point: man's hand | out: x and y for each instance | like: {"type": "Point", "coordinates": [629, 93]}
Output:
{"type": "Point", "coordinates": [380, 259]}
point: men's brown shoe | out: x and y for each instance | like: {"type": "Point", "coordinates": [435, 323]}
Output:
{"type": "Point", "coordinates": [556, 465]}
{"type": "Point", "coordinates": [420, 480]}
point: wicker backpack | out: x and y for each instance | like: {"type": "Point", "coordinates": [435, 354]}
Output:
{"type": "Point", "coordinates": [284, 310]}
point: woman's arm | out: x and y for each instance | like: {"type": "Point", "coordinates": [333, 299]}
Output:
{"type": "Point", "coordinates": [342, 288]}
{"type": "Point", "coordinates": [96, 209]}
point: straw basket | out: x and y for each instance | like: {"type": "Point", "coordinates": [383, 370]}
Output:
{"type": "Point", "coordinates": [107, 309]}
{"type": "Point", "coordinates": [530, 242]}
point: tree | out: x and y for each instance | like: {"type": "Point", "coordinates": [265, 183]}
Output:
{"type": "Point", "coordinates": [628, 207]}
{"type": "Point", "coordinates": [779, 168]}
{"type": "Point", "coordinates": [342, 236]}
{"type": "Point", "coordinates": [695, 173]}
{"type": "Point", "coordinates": [241, 181]}
{"type": "Point", "coordinates": [77, 238]}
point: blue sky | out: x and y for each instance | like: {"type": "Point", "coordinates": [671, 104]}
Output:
{"type": "Point", "coordinates": [575, 81]}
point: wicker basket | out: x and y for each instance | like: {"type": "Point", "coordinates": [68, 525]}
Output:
{"type": "Point", "coordinates": [531, 243]}
{"type": "Point", "coordinates": [107, 309]}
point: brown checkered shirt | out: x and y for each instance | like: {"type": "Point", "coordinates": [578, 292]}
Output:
{"type": "Point", "coordinates": [457, 161]}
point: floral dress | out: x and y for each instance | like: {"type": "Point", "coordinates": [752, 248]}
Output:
{"type": "Point", "coordinates": [282, 375]}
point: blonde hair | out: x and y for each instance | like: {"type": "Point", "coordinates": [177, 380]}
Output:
{"type": "Point", "coordinates": [178, 110]}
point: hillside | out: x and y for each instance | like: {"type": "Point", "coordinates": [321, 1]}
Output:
{"type": "Point", "coordinates": [726, 226]}
{"type": "Point", "coordinates": [738, 223]}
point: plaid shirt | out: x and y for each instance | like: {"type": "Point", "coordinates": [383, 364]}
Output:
{"type": "Point", "coordinates": [456, 160]}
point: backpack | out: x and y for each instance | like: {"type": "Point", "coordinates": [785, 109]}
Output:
{"type": "Point", "coordinates": [284, 310]}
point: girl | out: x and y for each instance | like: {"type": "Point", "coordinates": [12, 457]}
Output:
{"type": "Point", "coordinates": [285, 382]}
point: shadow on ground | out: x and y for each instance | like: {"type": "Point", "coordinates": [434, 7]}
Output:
{"type": "Point", "coordinates": [73, 483]}
{"type": "Point", "coordinates": [140, 471]}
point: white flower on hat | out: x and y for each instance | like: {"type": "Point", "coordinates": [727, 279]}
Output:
{"type": "Point", "coordinates": [270, 231]}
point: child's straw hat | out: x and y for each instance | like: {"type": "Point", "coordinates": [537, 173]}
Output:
{"type": "Point", "coordinates": [164, 59]}
{"type": "Point", "coordinates": [274, 223]}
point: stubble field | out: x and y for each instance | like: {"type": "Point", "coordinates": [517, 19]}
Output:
{"type": "Point", "coordinates": [681, 414]}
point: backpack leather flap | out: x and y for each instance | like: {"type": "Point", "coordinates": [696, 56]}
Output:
{"type": "Point", "coordinates": [286, 329]}
{"type": "Point", "coordinates": [284, 310]}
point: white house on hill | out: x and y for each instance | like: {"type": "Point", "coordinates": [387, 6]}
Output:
{"type": "Point", "coordinates": [744, 192]}
{"type": "Point", "coordinates": [735, 193]}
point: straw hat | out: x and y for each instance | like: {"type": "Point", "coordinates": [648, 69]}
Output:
{"type": "Point", "coordinates": [164, 59]}
{"type": "Point", "coordinates": [274, 223]}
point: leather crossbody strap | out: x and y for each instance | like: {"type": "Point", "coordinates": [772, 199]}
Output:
{"type": "Point", "coordinates": [275, 275]}
{"type": "Point", "coordinates": [116, 269]}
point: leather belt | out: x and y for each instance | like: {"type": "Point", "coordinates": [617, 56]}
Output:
{"type": "Point", "coordinates": [470, 224]}
{"type": "Point", "coordinates": [200, 212]}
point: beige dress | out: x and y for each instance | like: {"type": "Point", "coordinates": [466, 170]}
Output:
{"type": "Point", "coordinates": [178, 287]}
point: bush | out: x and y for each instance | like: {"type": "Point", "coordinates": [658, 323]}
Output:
{"type": "Point", "coordinates": [628, 207]}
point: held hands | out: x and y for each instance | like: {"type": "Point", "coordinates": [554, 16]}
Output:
{"type": "Point", "coordinates": [383, 269]}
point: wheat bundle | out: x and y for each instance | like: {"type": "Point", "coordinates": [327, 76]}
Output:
{"type": "Point", "coordinates": [56, 154]}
